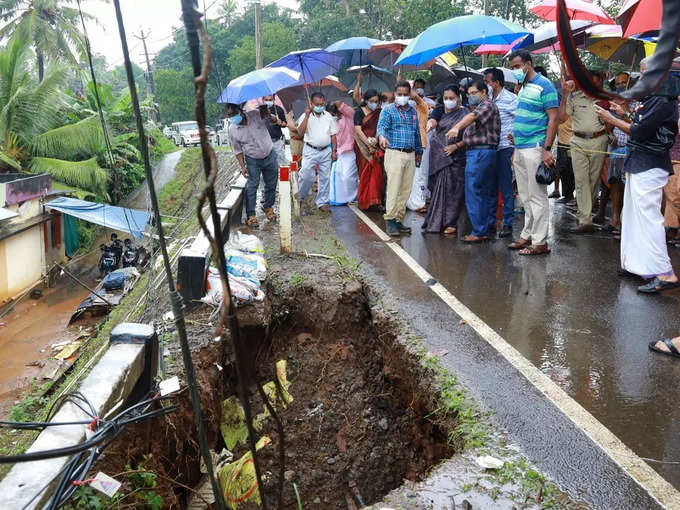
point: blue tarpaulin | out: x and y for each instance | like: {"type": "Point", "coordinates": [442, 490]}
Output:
{"type": "Point", "coordinates": [110, 216]}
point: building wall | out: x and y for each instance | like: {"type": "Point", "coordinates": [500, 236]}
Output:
{"type": "Point", "coordinates": [22, 261]}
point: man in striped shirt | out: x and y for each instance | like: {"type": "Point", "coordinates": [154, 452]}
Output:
{"type": "Point", "coordinates": [535, 128]}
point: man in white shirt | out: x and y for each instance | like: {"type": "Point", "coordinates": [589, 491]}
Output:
{"type": "Point", "coordinates": [319, 129]}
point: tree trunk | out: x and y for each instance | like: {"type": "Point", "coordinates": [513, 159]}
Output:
{"type": "Point", "coordinates": [41, 67]}
{"type": "Point", "coordinates": [346, 4]}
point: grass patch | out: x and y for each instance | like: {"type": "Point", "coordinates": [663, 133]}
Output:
{"type": "Point", "coordinates": [297, 279]}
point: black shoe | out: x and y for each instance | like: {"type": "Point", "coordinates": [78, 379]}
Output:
{"type": "Point", "coordinates": [598, 220]}
{"type": "Point", "coordinates": [403, 229]}
{"type": "Point", "coordinates": [392, 229]}
{"type": "Point", "coordinates": [506, 232]}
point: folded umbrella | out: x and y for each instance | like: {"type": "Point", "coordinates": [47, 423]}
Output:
{"type": "Point", "coordinates": [456, 32]}
{"type": "Point", "coordinates": [258, 83]}
{"type": "Point", "coordinates": [545, 37]}
{"type": "Point", "coordinates": [313, 65]}
{"type": "Point", "coordinates": [353, 50]}
{"type": "Point", "coordinates": [578, 10]}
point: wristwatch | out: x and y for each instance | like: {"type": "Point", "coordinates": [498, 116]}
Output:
{"type": "Point", "coordinates": [549, 149]}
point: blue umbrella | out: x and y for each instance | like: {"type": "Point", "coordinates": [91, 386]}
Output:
{"type": "Point", "coordinates": [262, 82]}
{"type": "Point", "coordinates": [353, 50]}
{"type": "Point", "coordinates": [313, 65]}
{"type": "Point", "coordinates": [456, 32]}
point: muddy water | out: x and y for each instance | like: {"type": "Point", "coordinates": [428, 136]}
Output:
{"type": "Point", "coordinates": [27, 332]}
{"type": "Point", "coordinates": [163, 171]}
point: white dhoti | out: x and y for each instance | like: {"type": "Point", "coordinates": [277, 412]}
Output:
{"type": "Point", "coordinates": [643, 238]}
{"type": "Point", "coordinates": [419, 192]}
{"type": "Point", "coordinates": [344, 179]}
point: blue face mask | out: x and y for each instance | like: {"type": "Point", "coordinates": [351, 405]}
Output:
{"type": "Point", "coordinates": [474, 100]}
{"type": "Point", "coordinates": [519, 75]}
{"type": "Point", "coordinates": [236, 119]}
{"type": "Point", "coordinates": [319, 109]}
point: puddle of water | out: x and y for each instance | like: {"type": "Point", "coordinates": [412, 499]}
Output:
{"type": "Point", "coordinates": [28, 331]}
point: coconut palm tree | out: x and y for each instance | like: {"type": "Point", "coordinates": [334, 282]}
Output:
{"type": "Point", "coordinates": [32, 130]}
{"type": "Point", "coordinates": [50, 26]}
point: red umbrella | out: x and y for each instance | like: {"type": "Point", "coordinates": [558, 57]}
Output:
{"type": "Point", "coordinates": [638, 16]}
{"type": "Point", "coordinates": [577, 9]}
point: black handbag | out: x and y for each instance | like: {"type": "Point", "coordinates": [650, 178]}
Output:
{"type": "Point", "coordinates": [545, 174]}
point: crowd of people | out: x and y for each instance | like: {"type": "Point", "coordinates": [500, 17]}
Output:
{"type": "Point", "coordinates": [475, 150]}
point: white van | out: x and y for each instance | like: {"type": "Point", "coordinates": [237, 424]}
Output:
{"type": "Point", "coordinates": [185, 133]}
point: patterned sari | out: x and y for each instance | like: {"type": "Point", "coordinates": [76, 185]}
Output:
{"type": "Point", "coordinates": [370, 165]}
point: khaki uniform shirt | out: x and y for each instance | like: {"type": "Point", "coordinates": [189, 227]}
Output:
{"type": "Point", "coordinates": [581, 109]}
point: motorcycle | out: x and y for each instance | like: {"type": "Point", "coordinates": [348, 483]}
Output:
{"type": "Point", "coordinates": [107, 261]}
{"type": "Point", "coordinates": [117, 249]}
{"type": "Point", "coordinates": [130, 254]}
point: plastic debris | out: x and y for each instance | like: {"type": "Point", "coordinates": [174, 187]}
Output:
{"type": "Point", "coordinates": [238, 480]}
{"type": "Point", "coordinates": [69, 350]}
{"type": "Point", "coordinates": [169, 386]}
{"type": "Point", "coordinates": [244, 242]}
{"type": "Point", "coordinates": [489, 462]}
{"type": "Point", "coordinates": [233, 425]}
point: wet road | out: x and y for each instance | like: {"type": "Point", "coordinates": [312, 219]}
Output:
{"type": "Point", "coordinates": [568, 313]}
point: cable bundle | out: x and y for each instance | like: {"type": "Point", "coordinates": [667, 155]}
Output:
{"type": "Point", "coordinates": [104, 431]}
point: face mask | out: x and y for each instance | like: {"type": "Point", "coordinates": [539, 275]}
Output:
{"type": "Point", "coordinates": [474, 100]}
{"type": "Point", "coordinates": [450, 105]}
{"type": "Point", "coordinates": [372, 106]}
{"type": "Point", "coordinates": [319, 109]}
{"type": "Point", "coordinates": [269, 103]}
{"type": "Point", "coordinates": [519, 75]}
{"type": "Point", "coordinates": [412, 103]}
{"type": "Point", "coordinates": [420, 92]}
{"type": "Point", "coordinates": [401, 100]}
{"type": "Point", "coordinates": [489, 89]}
{"type": "Point", "coordinates": [236, 119]}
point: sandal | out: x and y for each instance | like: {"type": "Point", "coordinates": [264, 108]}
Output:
{"type": "Point", "coordinates": [672, 351]}
{"type": "Point", "coordinates": [540, 249]}
{"type": "Point", "coordinates": [450, 231]}
{"type": "Point", "coordinates": [470, 239]}
{"type": "Point", "coordinates": [657, 285]}
{"type": "Point", "coordinates": [421, 210]}
{"type": "Point", "coordinates": [518, 245]}
{"type": "Point", "coordinates": [611, 229]}
{"type": "Point", "coordinates": [269, 212]}
{"type": "Point", "coordinates": [252, 222]}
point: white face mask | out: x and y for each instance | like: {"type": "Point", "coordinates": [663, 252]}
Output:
{"type": "Point", "coordinates": [450, 104]}
{"type": "Point", "coordinates": [412, 103]}
{"type": "Point", "coordinates": [269, 103]}
{"type": "Point", "coordinates": [420, 92]}
{"type": "Point", "coordinates": [401, 100]}
{"type": "Point", "coordinates": [372, 105]}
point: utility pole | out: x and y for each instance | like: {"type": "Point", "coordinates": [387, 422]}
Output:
{"type": "Point", "coordinates": [149, 75]}
{"type": "Point", "coordinates": [258, 35]}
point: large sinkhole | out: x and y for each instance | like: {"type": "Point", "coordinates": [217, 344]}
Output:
{"type": "Point", "coordinates": [363, 413]}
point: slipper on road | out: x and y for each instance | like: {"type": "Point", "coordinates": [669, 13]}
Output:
{"type": "Point", "coordinates": [672, 351]}
{"type": "Point", "coordinates": [657, 285]}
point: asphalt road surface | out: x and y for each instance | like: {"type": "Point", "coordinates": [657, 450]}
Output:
{"type": "Point", "coordinates": [568, 313]}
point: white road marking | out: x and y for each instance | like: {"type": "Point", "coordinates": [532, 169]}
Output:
{"type": "Point", "coordinates": [659, 489]}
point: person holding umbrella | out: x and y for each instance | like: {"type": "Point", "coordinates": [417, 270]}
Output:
{"type": "Point", "coordinates": [319, 129]}
{"type": "Point", "coordinates": [534, 133]}
{"type": "Point", "coordinates": [255, 154]}
{"type": "Point", "coordinates": [276, 119]}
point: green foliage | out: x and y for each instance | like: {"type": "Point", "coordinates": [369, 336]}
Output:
{"type": "Point", "coordinates": [30, 401]}
{"type": "Point", "coordinates": [86, 174]}
{"type": "Point", "coordinates": [87, 235]}
{"type": "Point", "coordinates": [181, 187]}
{"type": "Point", "coordinates": [277, 40]}
{"type": "Point", "coordinates": [72, 141]}
{"type": "Point", "coordinates": [174, 92]}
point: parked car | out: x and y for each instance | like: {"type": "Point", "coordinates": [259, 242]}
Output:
{"type": "Point", "coordinates": [185, 133]}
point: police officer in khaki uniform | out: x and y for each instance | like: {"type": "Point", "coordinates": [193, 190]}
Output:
{"type": "Point", "coordinates": [588, 146]}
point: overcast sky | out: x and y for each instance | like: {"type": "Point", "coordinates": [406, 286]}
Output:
{"type": "Point", "coordinates": [157, 16]}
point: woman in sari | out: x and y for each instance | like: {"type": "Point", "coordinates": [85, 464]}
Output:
{"type": "Point", "coordinates": [369, 157]}
{"type": "Point", "coordinates": [447, 166]}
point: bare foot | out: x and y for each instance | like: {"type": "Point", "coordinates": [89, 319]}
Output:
{"type": "Point", "coordinates": [669, 278]}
